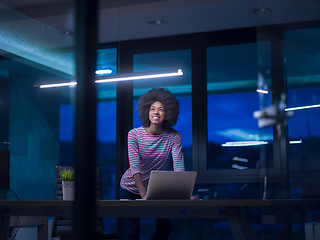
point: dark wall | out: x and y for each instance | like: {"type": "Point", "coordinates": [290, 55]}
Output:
{"type": "Point", "coordinates": [4, 113]}
{"type": "Point", "coordinates": [34, 139]}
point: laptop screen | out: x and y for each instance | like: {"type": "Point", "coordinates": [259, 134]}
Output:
{"type": "Point", "coordinates": [171, 185]}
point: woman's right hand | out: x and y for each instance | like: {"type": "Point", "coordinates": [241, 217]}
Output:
{"type": "Point", "coordinates": [138, 180]}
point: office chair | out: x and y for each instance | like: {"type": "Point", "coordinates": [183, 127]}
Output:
{"type": "Point", "coordinates": [62, 227]}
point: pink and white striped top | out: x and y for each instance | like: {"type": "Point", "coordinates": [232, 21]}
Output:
{"type": "Point", "coordinates": [151, 152]}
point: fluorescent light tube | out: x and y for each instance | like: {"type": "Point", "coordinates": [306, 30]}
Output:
{"type": "Point", "coordinates": [139, 76]}
{"type": "Point", "coordinates": [52, 85]}
{"type": "Point", "coordinates": [295, 141]}
{"type": "Point", "coordinates": [262, 91]}
{"type": "Point", "coordinates": [303, 107]}
{"type": "Point", "coordinates": [118, 77]}
{"type": "Point", "coordinates": [243, 143]}
{"type": "Point", "coordinates": [103, 71]}
{"type": "Point", "coordinates": [240, 159]}
{"type": "Point", "coordinates": [236, 166]}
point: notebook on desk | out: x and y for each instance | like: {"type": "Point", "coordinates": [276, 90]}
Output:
{"type": "Point", "coordinates": [170, 185]}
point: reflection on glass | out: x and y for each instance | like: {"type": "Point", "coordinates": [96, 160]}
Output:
{"type": "Point", "coordinates": [32, 51]}
{"type": "Point", "coordinates": [106, 61]}
{"type": "Point", "coordinates": [302, 51]}
{"type": "Point", "coordinates": [106, 127]}
{"type": "Point", "coordinates": [234, 139]}
{"type": "Point", "coordinates": [106, 123]}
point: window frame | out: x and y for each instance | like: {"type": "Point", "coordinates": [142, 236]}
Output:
{"type": "Point", "coordinates": [198, 43]}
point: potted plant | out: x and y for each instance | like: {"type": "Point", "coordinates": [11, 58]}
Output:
{"type": "Point", "coordinates": [67, 177]}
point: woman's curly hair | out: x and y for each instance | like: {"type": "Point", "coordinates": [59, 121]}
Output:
{"type": "Point", "coordinates": [168, 100]}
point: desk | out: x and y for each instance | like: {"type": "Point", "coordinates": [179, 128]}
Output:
{"type": "Point", "coordinates": [219, 209]}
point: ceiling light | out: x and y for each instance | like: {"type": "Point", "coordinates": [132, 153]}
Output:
{"type": "Point", "coordinates": [303, 107]}
{"type": "Point", "coordinates": [240, 159]}
{"type": "Point", "coordinates": [67, 33]}
{"type": "Point", "coordinates": [52, 85]}
{"type": "Point", "coordinates": [236, 166]}
{"type": "Point", "coordinates": [117, 78]}
{"type": "Point", "coordinates": [261, 10]}
{"type": "Point", "coordinates": [243, 143]}
{"type": "Point", "coordinates": [103, 71]}
{"type": "Point", "coordinates": [295, 141]}
{"type": "Point", "coordinates": [139, 76]}
{"type": "Point", "coordinates": [262, 91]}
{"type": "Point", "coordinates": [157, 22]}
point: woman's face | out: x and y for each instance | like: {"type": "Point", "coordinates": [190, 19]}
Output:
{"type": "Point", "coordinates": [157, 113]}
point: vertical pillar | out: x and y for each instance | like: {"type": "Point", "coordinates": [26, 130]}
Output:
{"type": "Point", "coordinates": [199, 107]}
{"type": "Point", "coordinates": [124, 111]}
{"type": "Point", "coordinates": [85, 119]}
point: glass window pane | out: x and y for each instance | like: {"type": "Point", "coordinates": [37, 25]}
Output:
{"type": "Point", "coordinates": [107, 61]}
{"type": "Point", "coordinates": [106, 142]}
{"type": "Point", "coordinates": [302, 51]}
{"type": "Point", "coordinates": [34, 51]}
{"type": "Point", "coordinates": [106, 122]}
{"type": "Point", "coordinates": [106, 130]}
{"type": "Point", "coordinates": [179, 86]}
{"type": "Point", "coordinates": [106, 125]}
{"type": "Point", "coordinates": [232, 98]}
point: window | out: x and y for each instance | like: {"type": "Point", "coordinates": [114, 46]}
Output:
{"type": "Point", "coordinates": [106, 122]}
{"type": "Point", "coordinates": [35, 115]}
{"type": "Point", "coordinates": [179, 86]}
{"type": "Point", "coordinates": [232, 74]}
{"type": "Point", "coordinates": [302, 52]}
{"type": "Point", "coordinates": [106, 126]}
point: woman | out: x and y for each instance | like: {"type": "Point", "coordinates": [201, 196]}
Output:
{"type": "Point", "coordinates": [151, 147]}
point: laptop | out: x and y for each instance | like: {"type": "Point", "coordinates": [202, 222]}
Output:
{"type": "Point", "coordinates": [170, 185]}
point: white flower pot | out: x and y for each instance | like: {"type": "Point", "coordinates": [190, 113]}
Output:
{"type": "Point", "coordinates": [68, 190]}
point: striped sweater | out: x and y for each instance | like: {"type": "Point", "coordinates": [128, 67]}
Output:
{"type": "Point", "coordinates": [151, 152]}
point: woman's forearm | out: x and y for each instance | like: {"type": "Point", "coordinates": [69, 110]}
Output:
{"type": "Point", "coordinates": [138, 180]}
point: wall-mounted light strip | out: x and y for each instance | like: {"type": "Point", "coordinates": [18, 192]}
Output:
{"type": "Point", "coordinates": [303, 107]}
{"type": "Point", "coordinates": [243, 143]}
{"type": "Point", "coordinates": [118, 77]}
{"type": "Point", "coordinates": [262, 91]}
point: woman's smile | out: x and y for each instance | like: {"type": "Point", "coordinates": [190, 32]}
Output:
{"type": "Point", "coordinates": [157, 113]}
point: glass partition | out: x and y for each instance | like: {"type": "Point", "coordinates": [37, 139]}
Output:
{"type": "Point", "coordinates": [234, 139]}
{"type": "Point", "coordinates": [233, 156]}
{"type": "Point", "coordinates": [37, 134]}
{"type": "Point", "coordinates": [106, 124]}
{"type": "Point", "coordinates": [302, 52]}
{"type": "Point", "coordinates": [35, 47]}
